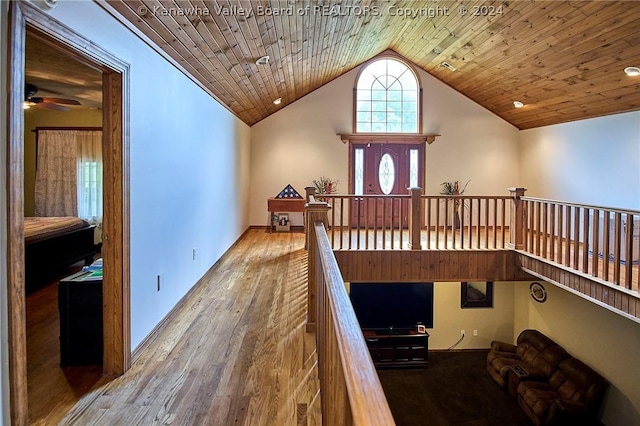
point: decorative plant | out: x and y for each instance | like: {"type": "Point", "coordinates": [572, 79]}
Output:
{"type": "Point", "coordinates": [326, 186]}
{"type": "Point", "coordinates": [454, 188]}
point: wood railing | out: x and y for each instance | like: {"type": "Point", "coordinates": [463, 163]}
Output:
{"type": "Point", "coordinates": [416, 221]}
{"type": "Point", "coordinates": [350, 391]}
{"type": "Point", "coordinates": [601, 242]}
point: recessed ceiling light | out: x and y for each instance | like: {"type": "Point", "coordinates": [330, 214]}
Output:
{"type": "Point", "coordinates": [448, 66]}
{"type": "Point", "coordinates": [632, 71]}
{"type": "Point", "coordinates": [277, 101]}
{"type": "Point", "coordinates": [263, 60]}
{"type": "Point", "coordinates": [518, 104]}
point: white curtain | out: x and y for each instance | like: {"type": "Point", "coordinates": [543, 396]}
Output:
{"type": "Point", "coordinates": [55, 187]}
{"type": "Point", "coordinates": [69, 175]}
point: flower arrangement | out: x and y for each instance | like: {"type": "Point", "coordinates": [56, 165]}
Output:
{"type": "Point", "coordinates": [326, 186]}
{"type": "Point", "coordinates": [453, 188]}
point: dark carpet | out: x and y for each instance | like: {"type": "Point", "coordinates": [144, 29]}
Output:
{"type": "Point", "coordinates": [454, 390]}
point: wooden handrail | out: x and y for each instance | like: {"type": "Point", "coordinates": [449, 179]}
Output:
{"type": "Point", "coordinates": [588, 206]}
{"type": "Point", "coordinates": [598, 241]}
{"type": "Point", "coordinates": [350, 391]}
{"type": "Point", "coordinates": [415, 221]}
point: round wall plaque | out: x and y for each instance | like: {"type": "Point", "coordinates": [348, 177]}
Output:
{"type": "Point", "coordinates": [538, 292]}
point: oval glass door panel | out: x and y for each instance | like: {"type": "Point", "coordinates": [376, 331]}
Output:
{"type": "Point", "coordinates": [386, 174]}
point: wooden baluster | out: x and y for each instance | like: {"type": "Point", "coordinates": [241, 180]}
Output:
{"type": "Point", "coordinates": [415, 218]}
{"type": "Point", "coordinates": [545, 226]}
{"type": "Point", "coordinates": [595, 238]}
{"type": "Point", "coordinates": [576, 238]}
{"type": "Point", "coordinates": [552, 231]}
{"type": "Point", "coordinates": [586, 242]}
{"type": "Point", "coordinates": [393, 216]}
{"type": "Point", "coordinates": [471, 223]}
{"type": "Point", "coordinates": [495, 223]}
{"type": "Point", "coordinates": [479, 223]}
{"type": "Point", "coordinates": [438, 204]}
{"type": "Point", "coordinates": [462, 225]}
{"type": "Point", "coordinates": [539, 228]}
{"type": "Point", "coordinates": [628, 271]}
{"type": "Point", "coordinates": [617, 240]}
{"type": "Point", "coordinates": [532, 217]}
{"type": "Point", "coordinates": [454, 222]}
{"type": "Point", "coordinates": [446, 225]}
{"type": "Point", "coordinates": [428, 201]}
{"type": "Point", "coordinates": [335, 218]}
{"type": "Point", "coordinates": [486, 223]}
{"type": "Point", "coordinates": [560, 230]}
{"type": "Point", "coordinates": [504, 223]}
{"type": "Point", "coordinates": [401, 228]}
{"type": "Point", "coordinates": [567, 253]}
{"type": "Point", "coordinates": [606, 244]}
{"type": "Point", "coordinates": [392, 213]}
{"type": "Point", "coordinates": [376, 202]}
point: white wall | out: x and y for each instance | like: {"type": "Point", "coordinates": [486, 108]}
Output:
{"type": "Point", "coordinates": [607, 342]}
{"type": "Point", "coordinates": [299, 144]}
{"type": "Point", "coordinates": [449, 318]}
{"type": "Point", "coordinates": [595, 161]}
{"type": "Point", "coordinates": [188, 170]}
{"type": "Point", "coordinates": [4, 337]}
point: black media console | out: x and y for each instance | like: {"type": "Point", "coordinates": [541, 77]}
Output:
{"type": "Point", "coordinates": [409, 349]}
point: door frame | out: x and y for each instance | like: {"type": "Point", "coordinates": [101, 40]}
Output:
{"type": "Point", "coordinates": [364, 140]}
{"type": "Point", "coordinates": [23, 18]}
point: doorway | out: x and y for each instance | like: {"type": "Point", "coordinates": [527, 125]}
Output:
{"type": "Point", "coordinates": [384, 169]}
{"type": "Point", "coordinates": [27, 19]}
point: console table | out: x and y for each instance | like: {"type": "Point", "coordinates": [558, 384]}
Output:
{"type": "Point", "coordinates": [295, 205]}
{"type": "Point", "coordinates": [409, 349]}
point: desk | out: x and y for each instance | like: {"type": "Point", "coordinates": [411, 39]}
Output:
{"type": "Point", "coordinates": [296, 205]}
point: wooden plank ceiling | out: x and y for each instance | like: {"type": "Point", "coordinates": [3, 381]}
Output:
{"type": "Point", "coordinates": [564, 60]}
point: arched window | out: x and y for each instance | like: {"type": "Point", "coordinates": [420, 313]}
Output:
{"type": "Point", "coordinates": [387, 95]}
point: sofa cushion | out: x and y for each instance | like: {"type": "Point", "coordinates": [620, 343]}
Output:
{"type": "Point", "coordinates": [537, 396]}
{"type": "Point", "coordinates": [547, 362]}
{"type": "Point", "coordinates": [577, 382]}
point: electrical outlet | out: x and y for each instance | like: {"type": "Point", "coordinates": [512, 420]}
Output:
{"type": "Point", "coordinates": [462, 332]}
{"type": "Point", "coordinates": [194, 253]}
{"type": "Point", "coordinates": [475, 332]}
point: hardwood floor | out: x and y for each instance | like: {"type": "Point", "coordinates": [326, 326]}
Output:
{"type": "Point", "coordinates": [235, 353]}
{"type": "Point", "coordinates": [52, 390]}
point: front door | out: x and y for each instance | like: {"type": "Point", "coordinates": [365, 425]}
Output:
{"type": "Point", "coordinates": [383, 169]}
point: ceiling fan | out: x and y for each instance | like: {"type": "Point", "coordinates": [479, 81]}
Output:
{"type": "Point", "coordinates": [57, 104]}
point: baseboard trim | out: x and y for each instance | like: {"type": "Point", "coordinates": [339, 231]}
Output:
{"type": "Point", "coordinates": [157, 330]}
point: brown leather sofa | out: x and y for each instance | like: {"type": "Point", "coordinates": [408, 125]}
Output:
{"type": "Point", "coordinates": [551, 386]}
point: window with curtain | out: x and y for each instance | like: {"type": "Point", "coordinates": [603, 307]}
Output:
{"type": "Point", "coordinates": [387, 98]}
{"type": "Point", "coordinates": [89, 175]}
{"type": "Point", "coordinates": [69, 174]}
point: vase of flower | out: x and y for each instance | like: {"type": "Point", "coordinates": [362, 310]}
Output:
{"type": "Point", "coordinates": [454, 189]}
{"type": "Point", "coordinates": [325, 186]}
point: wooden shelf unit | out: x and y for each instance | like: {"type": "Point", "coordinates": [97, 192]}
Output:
{"type": "Point", "coordinates": [409, 349]}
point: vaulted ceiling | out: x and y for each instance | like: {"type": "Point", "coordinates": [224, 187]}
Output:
{"type": "Point", "coordinates": [564, 60]}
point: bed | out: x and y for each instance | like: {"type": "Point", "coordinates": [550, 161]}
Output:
{"type": "Point", "coordinates": [54, 243]}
